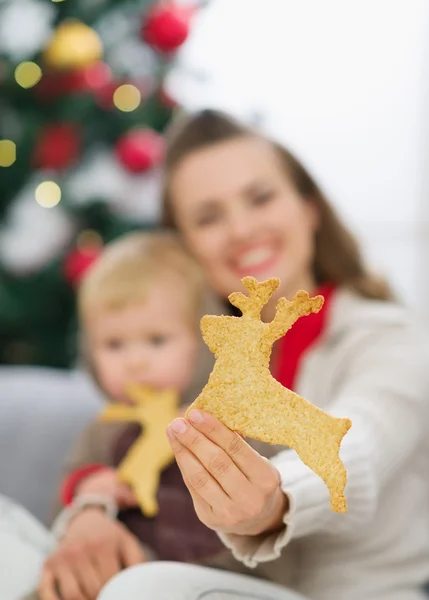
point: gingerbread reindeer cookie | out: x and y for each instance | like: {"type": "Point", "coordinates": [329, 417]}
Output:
{"type": "Point", "coordinates": [151, 453]}
{"type": "Point", "coordinates": [243, 395]}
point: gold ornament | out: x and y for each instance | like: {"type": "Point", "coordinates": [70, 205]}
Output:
{"type": "Point", "coordinates": [73, 45]}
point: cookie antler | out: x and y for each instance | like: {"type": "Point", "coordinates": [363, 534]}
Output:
{"type": "Point", "coordinates": [259, 294]}
{"type": "Point", "coordinates": [287, 313]}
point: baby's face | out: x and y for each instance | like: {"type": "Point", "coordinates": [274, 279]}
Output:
{"type": "Point", "coordinates": [150, 343]}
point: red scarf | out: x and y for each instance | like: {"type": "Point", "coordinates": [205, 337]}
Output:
{"type": "Point", "coordinates": [292, 348]}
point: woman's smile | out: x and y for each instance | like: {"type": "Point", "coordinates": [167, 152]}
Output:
{"type": "Point", "coordinates": [255, 259]}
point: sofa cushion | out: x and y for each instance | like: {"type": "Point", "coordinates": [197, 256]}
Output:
{"type": "Point", "coordinates": [42, 411]}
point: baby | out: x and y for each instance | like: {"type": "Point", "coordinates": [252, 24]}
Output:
{"type": "Point", "coordinates": [140, 306]}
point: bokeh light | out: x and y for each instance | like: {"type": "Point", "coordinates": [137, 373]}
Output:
{"type": "Point", "coordinates": [27, 74]}
{"type": "Point", "coordinates": [7, 153]}
{"type": "Point", "coordinates": [48, 194]}
{"type": "Point", "coordinates": [127, 98]}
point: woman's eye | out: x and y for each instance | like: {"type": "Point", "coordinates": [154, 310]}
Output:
{"type": "Point", "coordinates": [263, 198]}
{"type": "Point", "coordinates": [158, 340]}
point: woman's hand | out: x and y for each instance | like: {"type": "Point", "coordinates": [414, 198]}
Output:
{"type": "Point", "coordinates": [106, 482]}
{"type": "Point", "coordinates": [93, 550]}
{"type": "Point", "coordinates": [234, 489]}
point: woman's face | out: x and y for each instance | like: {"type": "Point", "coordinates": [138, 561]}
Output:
{"type": "Point", "coordinates": [240, 215]}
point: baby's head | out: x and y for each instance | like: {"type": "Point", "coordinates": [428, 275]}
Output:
{"type": "Point", "coordinates": [139, 307]}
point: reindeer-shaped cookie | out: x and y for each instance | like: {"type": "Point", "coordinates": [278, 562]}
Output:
{"type": "Point", "coordinates": [151, 453]}
{"type": "Point", "coordinates": [242, 393]}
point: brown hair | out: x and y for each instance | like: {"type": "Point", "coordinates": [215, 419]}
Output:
{"type": "Point", "coordinates": [337, 256]}
{"type": "Point", "coordinates": [130, 265]}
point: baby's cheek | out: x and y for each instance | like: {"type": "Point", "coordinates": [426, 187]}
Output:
{"type": "Point", "coordinates": [184, 372]}
{"type": "Point", "coordinates": [110, 379]}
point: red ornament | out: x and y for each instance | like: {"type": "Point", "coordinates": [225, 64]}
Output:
{"type": "Point", "coordinates": [90, 79]}
{"type": "Point", "coordinates": [57, 147]}
{"type": "Point", "coordinates": [78, 261]}
{"type": "Point", "coordinates": [165, 28]}
{"type": "Point", "coordinates": [140, 150]}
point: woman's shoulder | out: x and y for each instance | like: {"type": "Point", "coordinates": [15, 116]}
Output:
{"type": "Point", "coordinates": [351, 312]}
{"type": "Point", "coordinates": [374, 328]}
{"type": "Point", "coordinates": [381, 343]}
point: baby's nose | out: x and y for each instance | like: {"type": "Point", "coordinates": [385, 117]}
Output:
{"type": "Point", "coordinates": [137, 361]}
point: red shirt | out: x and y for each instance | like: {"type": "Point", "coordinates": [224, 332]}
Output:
{"type": "Point", "coordinates": [292, 347]}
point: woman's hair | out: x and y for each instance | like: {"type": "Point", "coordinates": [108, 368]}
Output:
{"type": "Point", "coordinates": [337, 256]}
{"type": "Point", "coordinates": [131, 265]}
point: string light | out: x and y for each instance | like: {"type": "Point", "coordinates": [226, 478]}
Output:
{"type": "Point", "coordinates": [7, 153]}
{"type": "Point", "coordinates": [48, 194]}
{"type": "Point", "coordinates": [27, 74]}
{"type": "Point", "coordinates": [127, 97]}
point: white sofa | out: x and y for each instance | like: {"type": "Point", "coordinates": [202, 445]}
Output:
{"type": "Point", "coordinates": [41, 413]}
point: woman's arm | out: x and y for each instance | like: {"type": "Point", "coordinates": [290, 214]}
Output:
{"type": "Point", "coordinates": [384, 393]}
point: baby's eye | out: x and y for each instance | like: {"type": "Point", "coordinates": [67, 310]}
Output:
{"type": "Point", "coordinates": [208, 219]}
{"type": "Point", "coordinates": [158, 340]}
{"type": "Point", "coordinates": [114, 344]}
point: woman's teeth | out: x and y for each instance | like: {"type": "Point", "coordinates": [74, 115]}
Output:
{"type": "Point", "coordinates": [255, 258]}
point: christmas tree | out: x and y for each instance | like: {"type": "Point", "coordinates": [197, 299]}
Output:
{"type": "Point", "coordinates": [82, 111]}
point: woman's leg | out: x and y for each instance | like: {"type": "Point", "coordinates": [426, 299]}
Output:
{"type": "Point", "coordinates": [177, 581]}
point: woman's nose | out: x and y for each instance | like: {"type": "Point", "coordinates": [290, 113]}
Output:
{"type": "Point", "coordinates": [241, 226]}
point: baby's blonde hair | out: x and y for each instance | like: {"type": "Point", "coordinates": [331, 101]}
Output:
{"type": "Point", "coordinates": [130, 265]}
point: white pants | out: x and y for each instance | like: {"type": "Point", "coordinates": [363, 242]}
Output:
{"type": "Point", "coordinates": [176, 581]}
{"type": "Point", "coordinates": [24, 545]}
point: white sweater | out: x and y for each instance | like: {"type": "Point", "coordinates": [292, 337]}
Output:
{"type": "Point", "coordinates": [372, 366]}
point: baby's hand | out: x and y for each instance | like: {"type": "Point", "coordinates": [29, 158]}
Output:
{"type": "Point", "coordinates": [106, 482]}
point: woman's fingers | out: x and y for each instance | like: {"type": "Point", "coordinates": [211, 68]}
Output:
{"type": "Point", "coordinates": [213, 458]}
{"type": "Point", "coordinates": [108, 563]}
{"type": "Point", "coordinates": [201, 504]}
{"type": "Point", "coordinates": [210, 501]}
{"type": "Point", "coordinates": [131, 552]}
{"type": "Point", "coordinates": [87, 574]}
{"type": "Point", "coordinates": [195, 475]}
{"type": "Point", "coordinates": [47, 586]}
{"type": "Point", "coordinates": [253, 466]}
{"type": "Point", "coordinates": [68, 585]}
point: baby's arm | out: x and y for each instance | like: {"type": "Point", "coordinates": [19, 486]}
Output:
{"type": "Point", "coordinates": [93, 448]}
